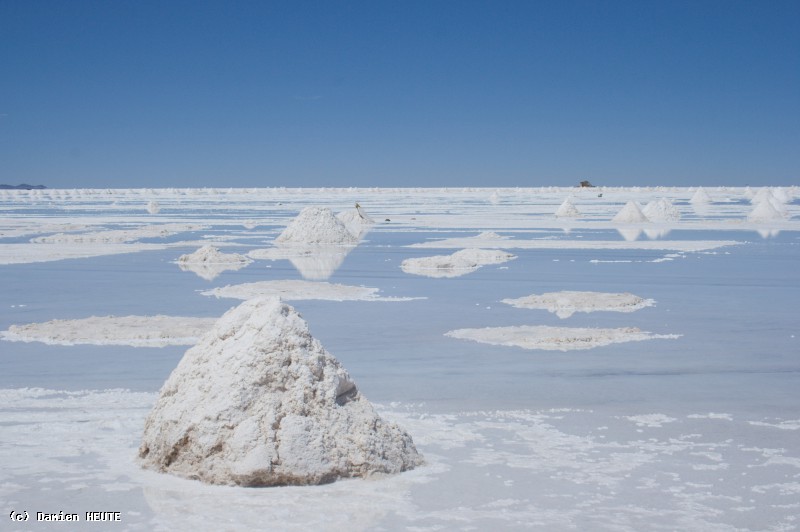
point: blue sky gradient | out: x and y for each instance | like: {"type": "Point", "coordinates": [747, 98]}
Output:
{"type": "Point", "coordinates": [379, 93]}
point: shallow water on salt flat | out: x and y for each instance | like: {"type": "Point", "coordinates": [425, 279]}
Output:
{"type": "Point", "coordinates": [632, 442]}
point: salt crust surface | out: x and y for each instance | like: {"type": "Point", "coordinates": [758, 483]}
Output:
{"type": "Point", "coordinates": [119, 236]}
{"type": "Point", "coordinates": [565, 303]}
{"type": "Point", "coordinates": [554, 338]}
{"type": "Point", "coordinates": [296, 290]}
{"type": "Point", "coordinates": [316, 225]}
{"type": "Point", "coordinates": [138, 331]}
{"type": "Point", "coordinates": [259, 402]}
{"type": "Point", "coordinates": [455, 265]}
{"type": "Point", "coordinates": [625, 471]}
{"type": "Point", "coordinates": [209, 262]}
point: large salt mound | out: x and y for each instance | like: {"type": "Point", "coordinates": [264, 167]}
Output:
{"type": "Point", "coordinates": [259, 402]}
{"type": "Point", "coordinates": [316, 225]}
{"type": "Point", "coordinates": [630, 213]}
{"type": "Point", "coordinates": [661, 210]}
{"type": "Point", "coordinates": [765, 211]}
{"type": "Point", "coordinates": [567, 210]}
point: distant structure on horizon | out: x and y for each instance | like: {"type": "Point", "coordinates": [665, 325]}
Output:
{"type": "Point", "coordinates": [586, 184]}
{"type": "Point", "coordinates": [23, 186]}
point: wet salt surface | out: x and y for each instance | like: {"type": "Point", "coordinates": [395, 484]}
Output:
{"type": "Point", "coordinates": [694, 433]}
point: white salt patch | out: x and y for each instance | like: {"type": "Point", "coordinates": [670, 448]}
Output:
{"type": "Point", "coordinates": [30, 253]}
{"type": "Point", "coordinates": [661, 210]}
{"type": "Point", "coordinates": [208, 262]}
{"type": "Point", "coordinates": [259, 402]}
{"type": "Point", "coordinates": [554, 338]}
{"type": "Point", "coordinates": [153, 207]}
{"type": "Point", "coordinates": [783, 425]}
{"type": "Point", "coordinates": [564, 304]}
{"type": "Point", "coordinates": [494, 199]}
{"type": "Point", "coordinates": [630, 213]}
{"type": "Point", "coordinates": [316, 225]}
{"type": "Point", "coordinates": [118, 236]}
{"type": "Point", "coordinates": [296, 290]}
{"type": "Point", "coordinates": [138, 331]}
{"type": "Point", "coordinates": [567, 210]}
{"type": "Point", "coordinates": [700, 197]}
{"type": "Point", "coordinates": [651, 420]}
{"type": "Point", "coordinates": [454, 265]}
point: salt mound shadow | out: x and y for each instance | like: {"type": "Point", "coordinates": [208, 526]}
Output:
{"type": "Point", "coordinates": [259, 402]}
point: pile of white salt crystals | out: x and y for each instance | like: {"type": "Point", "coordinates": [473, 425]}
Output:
{"type": "Point", "coordinates": [259, 402]}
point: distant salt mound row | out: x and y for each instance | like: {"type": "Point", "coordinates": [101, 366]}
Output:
{"type": "Point", "coordinates": [209, 262]}
{"type": "Point", "coordinates": [564, 304]}
{"type": "Point", "coordinates": [554, 338]}
{"type": "Point", "coordinates": [455, 265]}
{"type": "Point", "coordinates": [137, 331]}
{"type": "Point", "coordinates": [567, 210]}
{"type": "Point", "coordinates": [661, 210]}
{"type": "Point", "coordinates": [316, 225]}
{"type": "Point", "coordinates": [259, 402]}
{"type": "Point", "coordinates": [700, 197]}
{"type": "Point", "coordinates": [630, 213]}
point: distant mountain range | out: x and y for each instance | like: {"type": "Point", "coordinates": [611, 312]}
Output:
{"type": "Point", "coordinates": [22, 187]}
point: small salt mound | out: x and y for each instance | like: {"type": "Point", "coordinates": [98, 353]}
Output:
{"type": "Point", "coordinates": [259, 402]}
{"type": "Point", "coordinates": [661, 210]}
{"type": "Point", "coordinates": [782, 195]}
{"type": "Point", "coordinates": [564, 304]}
{"type": "Point", "coordinates": [567, 210]}
{"type": "Point", "coordinates": [316, 225]}
{"type": "Point", "coordinates": [700, 197]}
{"type": "Point", "coordinates": [455, 265]}
{"type": "Point", "coordinates": [153, 207]}
{"type": "Point", "coordinates": [765, 211]}
{"type": "Point", "coordinates": [630, 213]}
{"type": "Point", "coordinates": [356, 221]}
{"type": "Point", "coordinates": [208, 262]}
{"type": "Point", "coordinates": [494, 199]}
{"type": "Point", "coordinates": [762, 195]}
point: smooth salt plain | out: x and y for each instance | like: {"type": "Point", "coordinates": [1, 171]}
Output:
{"type": "Point", "coordinates": [696, 427]}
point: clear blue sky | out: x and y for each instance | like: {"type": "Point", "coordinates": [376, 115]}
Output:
{"type": "Point", "coordinates": [399, 93]}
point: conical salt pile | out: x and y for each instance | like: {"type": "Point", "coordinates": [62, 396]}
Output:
{"type": "Point", "coordinates": [661, 210]}
{"type": "Point", "coordinates": [316, 225]}
{"type": "Point", "coordinates": [630, 213]}
{"type": "Point", "coordinates": [356, 220]}
{"type": "Point", "coordinates": [259, 402]}
{"type": "Point", "coordinates": [567, 210]}
{"type": "Point", "coordinates": [765, 211]}
{"type": "Point", "coordinates": [700, 197]}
